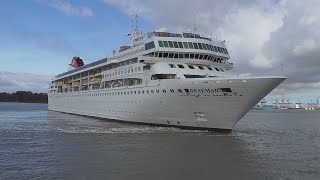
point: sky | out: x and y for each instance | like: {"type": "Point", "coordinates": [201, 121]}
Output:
{"type": "Point", "coordinates": [38, 38]}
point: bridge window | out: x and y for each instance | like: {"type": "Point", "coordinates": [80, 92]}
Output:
{"type": "Point", "coordinates": [170, 55]}
{"type": "Point", "coordinates": [191, 56]}
{"type": "Point", "coordinates": [175, 44]}
{"type": "Point", "coordinates": [215, 48]}
{"type": "Point", "coordinates": [204, 46]}
{"type": "Point", "coordinates": [160, 44]}
{"type": "Point", "coordinates": [211, 47]}
{"type": "Point", "coordinates": [196, 56]}
{"type": "Point", "coordinates": [170, 44]}
{"type": "Point", "coordinates": [186, 55]}
{"type": "Point", "coordinates": [190, 45]}
{"type": "Point", "coordinates": [208, 47]}
{"type": "Point", "coordinates": [200, 46]}
{"type": "Point", "coordinates": [172, 65]}
{"type": "Point", "coordinates": [165, 55]}
{"type": "Point", "coordinates": [149, 45]}
{"type": "Point", "coordinates": [180, 44]}
{"type": "Point", "coordinates": [216, 69]}
{"type": "Point", "coordinates": [165, 43]}
{"type": "Point", "coordinates": [185, 44]}
{"type": "Point", "coordinates": [180, 66]}
{"type": "Point", "coordinates": [205, 56]}
{"type": "Point", "coordinates": [175, 55]}
{"type": "Point", "coordinates": [209, 68]}
{"type": "Point", "coordinates": [180, 55]}
{"type": "Point", "coordinates": [200, 67]}
{"type": "Point", "coordinates": [195, 45]}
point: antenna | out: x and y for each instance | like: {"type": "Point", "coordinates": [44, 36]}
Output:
{"type": "Point", "coordinates": [195, 24]}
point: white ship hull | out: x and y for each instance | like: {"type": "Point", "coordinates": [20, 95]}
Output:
{"type": "Point", "coordinates": [200, 105]}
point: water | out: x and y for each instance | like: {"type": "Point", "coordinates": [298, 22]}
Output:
{"type": "Point", "coordinates": [37, 144]}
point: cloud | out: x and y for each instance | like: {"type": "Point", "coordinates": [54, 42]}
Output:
{"type": "Point", "coordinates": [131, 7]}
{"type": "Point", "coordinates": [11, 82]}
{"type": "Point", "coordinates": [68, 8]}
{"type": "Point", "coordinates": [260, 35]}
{"type": "Point", "coordinates": [260, 61]}
{"type": "Point", "coordinates": [305, 46]}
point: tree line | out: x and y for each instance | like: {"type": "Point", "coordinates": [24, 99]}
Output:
{"type": "Point", "coordinates": [24, 96]}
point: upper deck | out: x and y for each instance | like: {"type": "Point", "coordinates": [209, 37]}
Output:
{"type": "Point", "coordinates": [160, 46]}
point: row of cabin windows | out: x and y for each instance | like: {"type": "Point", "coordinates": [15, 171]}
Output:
{"type": "Point", "coordinates": [137, 69]}
{"type": "Point", "coordinates": [192, 45]}
{"type": "Point", "coordinates": [187, 56]}
{"type": "Point", "coordinates": [155, 91]}
{"type": "Point", "coordinates": [181, 66]}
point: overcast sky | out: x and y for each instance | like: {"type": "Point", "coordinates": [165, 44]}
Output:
{"type": "Point", "coordinates": [38, 38]}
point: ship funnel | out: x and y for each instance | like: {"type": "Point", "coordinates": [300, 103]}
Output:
{"type": "Point", "coordinates": [76, 62]}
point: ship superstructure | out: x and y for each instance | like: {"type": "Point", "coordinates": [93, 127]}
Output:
{"type": "Point", "coordinates": [163, 78]}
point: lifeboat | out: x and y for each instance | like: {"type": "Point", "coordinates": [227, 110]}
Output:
{"type": "Point", "coordinates": [76, 83]}
{"type": "Point", "coordinates": [96, 79]}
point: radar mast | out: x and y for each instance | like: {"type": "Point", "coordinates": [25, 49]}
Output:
{"type": "Point", "coordinates": [137, 34]}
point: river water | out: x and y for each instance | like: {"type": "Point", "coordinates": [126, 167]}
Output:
{"type": "Point", "coordinates": [40, 144]}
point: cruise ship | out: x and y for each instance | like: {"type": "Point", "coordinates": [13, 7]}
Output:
{"type": "Point", "coordinates": [162, 79]}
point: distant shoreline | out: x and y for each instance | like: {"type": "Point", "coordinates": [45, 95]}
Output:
{"type": "Point", "coordinates": [24, 97]}
{"type": "Point", "coordinates": [23, 102]}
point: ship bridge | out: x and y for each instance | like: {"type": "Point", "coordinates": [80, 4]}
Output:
{"type": "Point", "coordinates": [188, 46]}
